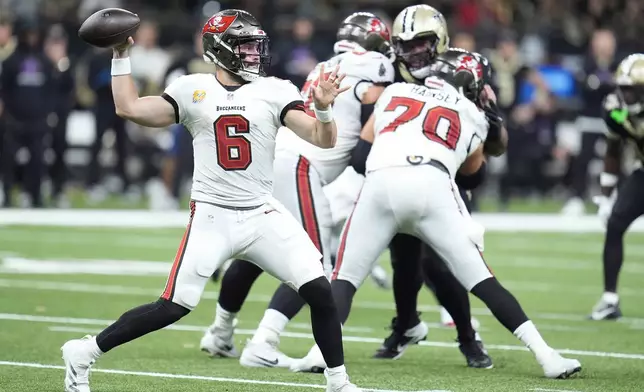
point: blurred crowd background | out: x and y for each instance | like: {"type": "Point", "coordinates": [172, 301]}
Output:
{"type": "Point", "coordinates": [62, 145]}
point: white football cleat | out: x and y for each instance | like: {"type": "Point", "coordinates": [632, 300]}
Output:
{"type": "Point", "coordinates": [607, 308]}
{"type": "Point", "coordinates": [339, 384]}
{"type": "Point", "coordinates": [313, 362]}
{"type": "Point", "coordinates": [557, 366]}
{"type": "Point", "coordinates": [218, 341]}
{"type": "Point", "coordinates": [264, 354]}
{"type": "Point", "coordinates": [78, 362]}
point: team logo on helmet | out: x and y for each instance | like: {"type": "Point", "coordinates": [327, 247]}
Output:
{"type": "Point", "coordinates": [378, 27]}
{"type": "Point", "coordinates": [218, 24]}
{"type": "Point", "coordinates": [469, 63]}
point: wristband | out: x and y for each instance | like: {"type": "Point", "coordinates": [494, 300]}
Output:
{"type": "Point", "coordinates": [121, 67]}
{"type": "Point", "coordinates": [323, 116]}
{"type": "Point", "coordinates": [608, 179]}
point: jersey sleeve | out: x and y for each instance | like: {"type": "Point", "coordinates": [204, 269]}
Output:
{"type": "Point", "coordinates": [369, 68]}
{"type": "Point", "coordinates": [287, 97]}
{"type": "Point", "coordinates": [180, 93]}
{"type": "Point", "coordinates": [614, 116]}
{"type": "Point", "coordinates": [475, 119]}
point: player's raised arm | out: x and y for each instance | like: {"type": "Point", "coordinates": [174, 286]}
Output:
{"type": "Point", "coordinates": [496, 143]}
{"type": "Point", "coordinates": [321, 130]}
{"type": "Point", "coordinates": [153, 111]}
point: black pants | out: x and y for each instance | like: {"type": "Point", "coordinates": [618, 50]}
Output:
{"type": "Point", "coordinates": [106, 118]}
{"type": "Point", "coordinates": [580, 163]}
{"type": "Point", "coordinates": [30, 135]}
{"type": "Point", "coordinates": [628, 207]}
{"type": "Point", "coordinates": [58, 170]}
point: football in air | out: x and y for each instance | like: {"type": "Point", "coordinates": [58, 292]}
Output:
{"type": "Point", "coordinates": [109, 27]}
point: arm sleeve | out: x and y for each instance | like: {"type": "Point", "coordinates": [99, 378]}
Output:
{"type": "Point", "coordinates": [473, 180]}
{"type": "Point", "coordinates": [359, 156]}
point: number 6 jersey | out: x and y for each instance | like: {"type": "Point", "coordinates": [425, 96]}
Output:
{"type": "Point", "coordinates": [233, 131]}
{"type": "Point", "coordinates": [415, 124]}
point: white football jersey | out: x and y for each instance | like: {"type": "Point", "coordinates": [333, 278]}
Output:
{"type": "Point", "coordinates": [233, 130]}
{"type": "Point", "coordinates": [363, 69]}
{"type": "Point", "coordinates": [415, 124]}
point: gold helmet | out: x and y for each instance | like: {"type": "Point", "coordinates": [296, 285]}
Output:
{"type": "Point", "coordinates": [630, 82]}
{"type": "Point", "coordinates": [419, 36]}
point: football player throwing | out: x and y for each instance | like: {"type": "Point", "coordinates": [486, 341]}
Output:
{"type": "Point", "coordinates": [233, 116]}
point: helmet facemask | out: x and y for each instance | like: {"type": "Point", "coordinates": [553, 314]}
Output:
{"type": "Point", "coordinates": [247, 57]}
{"type": "Point", "coordinates": [254, 55]}
{"type": "Point", "coordinates": [417, 54]}
{"type": "Point", "coordinates": [632, 97]}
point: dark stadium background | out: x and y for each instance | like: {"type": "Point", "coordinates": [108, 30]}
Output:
{"type": "Point", "coordinates": [555, 146]}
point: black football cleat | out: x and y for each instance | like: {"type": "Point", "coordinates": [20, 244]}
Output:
{"type": "Point", "coordinates": [395, 344]}
{"type": "Point", "coordinates": [476, 355]}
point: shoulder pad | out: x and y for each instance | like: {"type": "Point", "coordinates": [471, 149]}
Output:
{"type": "Point", "coordinates": [372, 66]}
{"type": "Point", "coordinates": [276, 82]}
{"type": "Point", "coordinates": [191, 80]}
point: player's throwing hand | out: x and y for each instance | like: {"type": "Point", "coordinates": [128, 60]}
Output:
{"type": "Point", "coordinates": [328, 88]}
{"type": "Point", "coordinates": [123, 49]}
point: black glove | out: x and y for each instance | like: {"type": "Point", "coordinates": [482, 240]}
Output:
{"type": "Point", "coordinates": [493, 115]}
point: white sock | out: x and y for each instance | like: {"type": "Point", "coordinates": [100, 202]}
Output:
{"type": "Point", "coordinates": [336, 371]}
{"type": "Point", "coordinates": [271, 327]}
{"type": "Point", "coordinates": [223, 318]}
{"type": "Point", "coordinates": [94, 350]}
{"type": "Point", "coordinates": [529, 335]}
{"type": "Point", "coordinates": [610, 298]}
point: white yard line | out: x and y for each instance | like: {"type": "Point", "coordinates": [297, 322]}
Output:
{"type": "Point", "coordinates": [159, 268]}
{"type": "Point", "coordinates": [27, 284]}
{"type": "Point", "coordinates": [297, 335]}
{"type": "Point", "coordinates": [200, 378]}
{"type": "Point", "coordinates": [558, 264]}
{"type": "Point", "coordinates": [502, 222]}
{"type": "Point", "coordinates": [553, 390]}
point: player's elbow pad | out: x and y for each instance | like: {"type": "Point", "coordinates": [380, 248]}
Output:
{"type": "Point", "coordinates": [359, 156]}
{"type": "Point", "coordinates": [473, 180]}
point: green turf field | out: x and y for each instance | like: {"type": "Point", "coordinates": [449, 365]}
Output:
{"type": "Point", "coordinates": [78, 200]}
{"type": "Point", "coordinates": [556, 277]}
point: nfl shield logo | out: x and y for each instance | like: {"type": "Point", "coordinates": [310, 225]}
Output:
{"type": "Point", "coordinates": [230, 96]}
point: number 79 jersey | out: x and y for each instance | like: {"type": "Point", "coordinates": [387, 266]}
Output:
{"type": "Point", "coordinates": [415, 124]}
